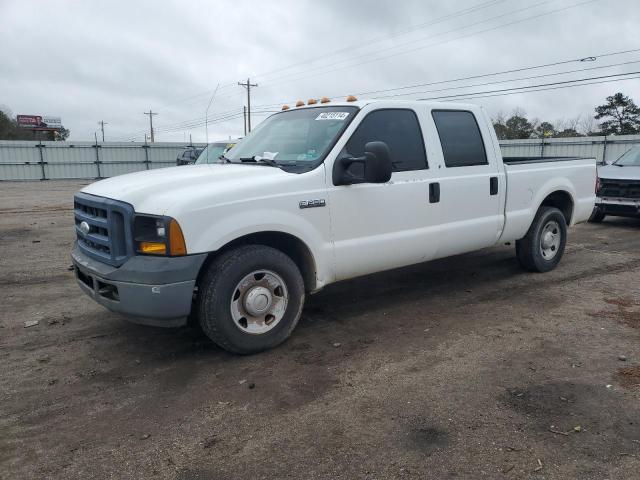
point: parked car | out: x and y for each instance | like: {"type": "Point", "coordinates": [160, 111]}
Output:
{"type": "Point", "coordinates": [189, 156]}
{"type": "Point", "coordinates": [618, 188]}
{"type": "Point", "coordinates": [316, 195]}
{"type": "Point", "coordinates": [213, 151]}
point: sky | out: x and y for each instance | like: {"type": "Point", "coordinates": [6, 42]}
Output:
{"type": "Point", "coordinates": [87, 61]}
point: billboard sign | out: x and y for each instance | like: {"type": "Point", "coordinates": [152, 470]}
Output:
{"type": "Point", "coordinates": [39, 122]}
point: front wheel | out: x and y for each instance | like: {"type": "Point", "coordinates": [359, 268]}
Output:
{"type": "Point", "coordinates": [543, 246]}
{"type": "Point", "coordinates": [250, 299]}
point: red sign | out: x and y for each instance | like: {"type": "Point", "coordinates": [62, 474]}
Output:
{"type": "Point", "coordinates": [29, 120]}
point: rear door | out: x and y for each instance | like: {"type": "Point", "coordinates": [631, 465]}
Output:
{"type": "Point", "coordinates": [472, 183]}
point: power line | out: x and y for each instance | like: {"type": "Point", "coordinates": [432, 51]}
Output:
{"type": "Point", "coordinates": [200, 120]}
{"type": "Point", "coordinates": [513, 79]}
{"type": "Point", "coordinates": [372, 41]}
{"type": "Point", "coordinates": [366, 44]}
{"type": "Point", "coordinates": [323, 69]}
{"type": "Point", "coordinates": [484, 75]}
{"type": "Point", "coordinates": [564, 82]}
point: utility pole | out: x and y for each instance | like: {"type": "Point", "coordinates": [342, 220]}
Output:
{"type": "Point", "coordinates": [248, 86]}
{"type": "Point", "coordinates": [151, 114]}
{"type": "Point", "coordinates": [102, 123]}
{"type": "Point", "coordinates": [244, 115]}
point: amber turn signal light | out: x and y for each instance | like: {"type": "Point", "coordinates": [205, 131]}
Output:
{"type": "Point", "coordinates": [177, 245]}
{"type": "Point", "coordinates": [153, 248]}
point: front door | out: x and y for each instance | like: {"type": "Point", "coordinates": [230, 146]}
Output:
{"type": "Point", "coordinates": [381, 226]}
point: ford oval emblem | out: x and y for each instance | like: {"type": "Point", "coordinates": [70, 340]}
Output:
{"type": "Point", "coordinates": [85, 228]}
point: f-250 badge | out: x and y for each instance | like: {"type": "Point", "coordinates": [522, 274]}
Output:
{"type": "Point", "coordinates": [312, 203]}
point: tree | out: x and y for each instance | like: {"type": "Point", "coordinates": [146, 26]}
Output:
{"type": "Point", "coordinates": [9, 129]}
{"type": "Point", "coordinates": [545, 130]}
{"type": "Point", "coordinates": [518, 127]}
{"type": "Point", "coordinates": [568, 132]}
{"type": "Point", "coordinates": [62, 134]}
{"type": "Point", "coordinates": [621, 114]}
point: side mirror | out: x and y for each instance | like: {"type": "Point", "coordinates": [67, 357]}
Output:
{"type": "Point", "coordinates": [373, 167]}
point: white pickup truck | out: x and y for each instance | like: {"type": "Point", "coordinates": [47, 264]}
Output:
{"type": "Point", "coordinates": [317, 194]}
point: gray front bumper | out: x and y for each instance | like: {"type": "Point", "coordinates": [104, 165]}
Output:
{"type": "Point", "coordinates": [149, 290]}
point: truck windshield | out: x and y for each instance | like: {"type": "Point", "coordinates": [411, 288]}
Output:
{"type": "Point", "coordinates": [629, 159]}
{"type": "Point", "coordinates": [212, 152]}
{"type": "Point", "coordinates": [298, 140]}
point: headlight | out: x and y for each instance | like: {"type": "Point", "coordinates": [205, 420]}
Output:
{"type": "Point", "coordinates": [155, 235]}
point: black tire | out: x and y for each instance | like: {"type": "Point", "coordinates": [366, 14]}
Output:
{"type": "Point", "coordinates": [218, 286]}
{"type": "Point", "coordinates": [597, 215]}
{"type": "Point", "coordinates": [529, 249]}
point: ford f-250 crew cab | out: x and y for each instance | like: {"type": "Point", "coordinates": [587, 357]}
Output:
{"type": "Point", "coordinates": [315, 195]}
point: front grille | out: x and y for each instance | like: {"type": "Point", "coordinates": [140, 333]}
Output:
{"type": "Point", "coordinates": [109, 228]}
{"type": "Point", "coordinates": [619, 188]}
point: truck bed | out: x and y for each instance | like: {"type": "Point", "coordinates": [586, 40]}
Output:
{"type": "Point", "coordinates": [531, 179]}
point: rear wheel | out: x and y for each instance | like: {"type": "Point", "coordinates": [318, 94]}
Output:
{"type": "Point", "coordinates": [543, 246]}
{"type": "Point", "coordinates": [250, 299]}
{"type": "Point", "coordinates": [597, 215]}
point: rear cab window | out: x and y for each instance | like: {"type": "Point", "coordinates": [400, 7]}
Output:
{"type": "Point", "coordinates": [460, 138]}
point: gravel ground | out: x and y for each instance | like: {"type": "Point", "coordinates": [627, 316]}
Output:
{"type": "Point", "coordinates": [460, 368]}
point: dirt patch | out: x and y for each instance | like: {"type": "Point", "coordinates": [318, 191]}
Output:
{"type": "Point", "coordinates": [556, 409]}
{"type": "Point", "coordinates": [427, 439]}
{"type": "Point", "coordinates": [625, 312]}
{"type": "Point", "coordinates": [629, 377]}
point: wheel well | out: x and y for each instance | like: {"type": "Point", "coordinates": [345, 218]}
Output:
{"type": "Point", "coordinates": [288, 244]}
{"type": "Point", "coordinates": [562, 201]}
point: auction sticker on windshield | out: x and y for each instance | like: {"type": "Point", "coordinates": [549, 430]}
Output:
{"type": "Point", "coordinates": [332, 116]}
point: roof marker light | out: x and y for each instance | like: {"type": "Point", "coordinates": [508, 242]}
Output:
{"type": "Point", "coordinates": [299, 103]}
{"type": "Point", "coordinates": [312, 101]}
{"type": "Point", "coordinates": [325, 100]}
{"type": "Point", "coordinates": [351, 98]}
{"type": "Point", "coordinates": [285, 107]}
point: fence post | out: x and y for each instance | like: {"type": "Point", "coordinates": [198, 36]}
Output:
{"type": "Point", "coordinates": [604, 151]}
{"type": "Point", "coordinates": [40, 146]}
{"type": "Point", "coordinates": [542, 147]}
{"type": "Point", "coordinates": [97, 156]}
{"type": "Point", "coordinates": [146, 153]}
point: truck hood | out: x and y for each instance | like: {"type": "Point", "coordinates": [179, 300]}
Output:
{"type": "Point", "coordinates": [619, 173]}
{"type": "Point", "coordinates": [156, 191]}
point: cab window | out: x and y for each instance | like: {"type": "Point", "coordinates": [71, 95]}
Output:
{"type": "Point", "coordinates": [400, 130]}
{"type": "Point", "coordinates": [460, 138]}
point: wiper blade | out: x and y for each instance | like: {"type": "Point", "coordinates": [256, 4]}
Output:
{"type": "Point", "coordinates": [224, 159]}
{"type": "Point", "coordinates": [256, 159]}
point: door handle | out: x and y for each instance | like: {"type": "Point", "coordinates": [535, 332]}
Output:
{"type": "Point", "coordinates": [434, 192]}
{"type": "Point", "coordinates": [493, 186]}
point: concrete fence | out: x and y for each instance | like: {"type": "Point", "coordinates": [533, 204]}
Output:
{"type": "Point", "coordinates": [20, 160]}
